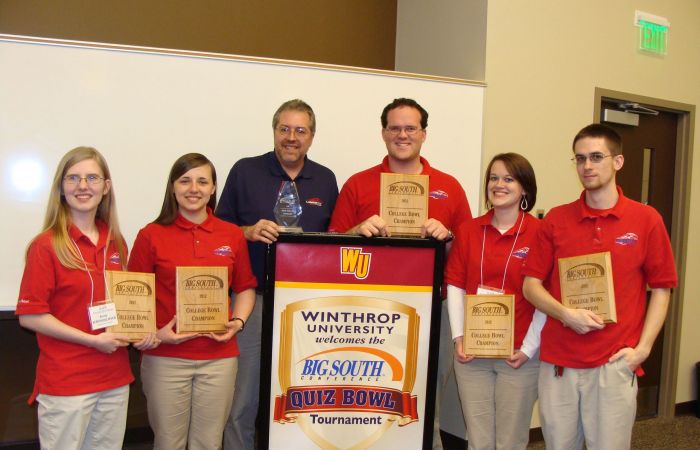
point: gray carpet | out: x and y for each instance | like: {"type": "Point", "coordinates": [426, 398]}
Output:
{"type": "Point", "coordinates": [681, 433]}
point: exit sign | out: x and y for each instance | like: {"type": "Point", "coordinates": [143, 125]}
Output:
{"type": "Point", "coordinates": [653, 32]}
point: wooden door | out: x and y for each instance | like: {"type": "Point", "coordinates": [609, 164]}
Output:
{"type": "Point", "coordinates": [648, 177]}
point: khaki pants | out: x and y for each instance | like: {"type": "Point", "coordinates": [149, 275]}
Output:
{"type": "Point", "coordinates": [597, 404]}
{"type": "Point", "coordinates": [188, 400]}
{"type": "Point", "coordinates": [497, 402]}
{"type": "Point", "coordinates": [82, 422]}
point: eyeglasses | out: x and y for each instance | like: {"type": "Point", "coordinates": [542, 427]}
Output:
{"type": "Point", "coordinates": [396, 130]}
{"type": "Point", "coordinates": [595, 158]}
{"type": "Point", "coordinates": [91, 178]}
{"type": "Point", "coordinates": [299, 131]}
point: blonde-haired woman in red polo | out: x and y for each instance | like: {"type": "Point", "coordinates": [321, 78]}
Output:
{"type": "Point", "coordinates": [83, 372]}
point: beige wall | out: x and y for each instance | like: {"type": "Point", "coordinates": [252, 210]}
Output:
{"type": "Point", "coordinates": [544, 59]}
{"type": "Point", "coordinates": [445, 37]}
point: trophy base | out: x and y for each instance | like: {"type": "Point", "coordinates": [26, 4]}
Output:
{"type": "Point", "coordinates": [290, 229]}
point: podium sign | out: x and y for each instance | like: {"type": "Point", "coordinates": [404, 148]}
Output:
{"type": "Point", "coordinates": [202, 299]}
{"type": "Point", "coordinates": [404, 203]}
{"type": "Point", "coordinates": [352, 343]}
{"type": "Point", "coordinates": [488, 325]}
{"type": "Point", "coordinates": [586, 283]}
{"type": "Point", "coordinates": [133, 294]}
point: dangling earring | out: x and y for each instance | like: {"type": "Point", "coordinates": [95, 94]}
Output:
{"type": "Point", "coordinates": [523, 203]}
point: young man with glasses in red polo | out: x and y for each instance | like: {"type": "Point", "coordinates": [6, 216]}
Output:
{"type": "Point", "coordinates": [404, 130]}
{"type": "Point", "coordinates": [587, 385]}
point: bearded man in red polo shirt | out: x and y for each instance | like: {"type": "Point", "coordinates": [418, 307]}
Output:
{"type": "Point", "coordinates": [587, 382]}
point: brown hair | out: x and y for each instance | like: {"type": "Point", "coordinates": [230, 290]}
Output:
{"type": "Point", "coordinates": [520, 169]}
{"type": "Point", "coordinates": [613, 140]}
{"type": "Point", "coordinates": [407, 102]}
{"type": "Point", "coordinates": [295, 105]}
{"type": "Point", "coordinates": [185, 163]}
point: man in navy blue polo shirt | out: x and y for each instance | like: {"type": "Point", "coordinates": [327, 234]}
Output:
{"type": "Point", "coordinates": [248, 199]}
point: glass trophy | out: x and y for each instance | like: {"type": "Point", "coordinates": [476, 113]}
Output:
{"type": "Point", "coordinates": [288, 208]}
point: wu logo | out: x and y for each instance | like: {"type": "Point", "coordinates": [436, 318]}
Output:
{"type": "Point", "coordinates": [354, 262]}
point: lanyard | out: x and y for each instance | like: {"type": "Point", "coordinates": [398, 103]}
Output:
{"type": "Point", "coordinates": [483, 246]}
{"type": "Point", "coordinates": [104, 267]}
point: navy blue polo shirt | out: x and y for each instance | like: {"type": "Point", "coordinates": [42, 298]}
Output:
{"type": "Point", "coordinates": [251, 191]}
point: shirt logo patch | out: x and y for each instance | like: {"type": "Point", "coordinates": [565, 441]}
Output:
{"type": "Point", "coordinates": [438, 195]}
{"type": "Point", "coordinates": [521, 252]}
{"type": "Point", "coordinates": [315, 201]}
{"type": "Point", "coordinates": [224, 250]}
{"type": "Point", "coordinates": [627, 239]}
{"type": "Point", "coordinates": [114, 258]}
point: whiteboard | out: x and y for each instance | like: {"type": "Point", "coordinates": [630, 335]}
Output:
{"type": "Point", "coordinates": [143, 108]}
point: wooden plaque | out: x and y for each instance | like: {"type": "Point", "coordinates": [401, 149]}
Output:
{"type": "Point", "coordinates": [202, 299]}
{"type": "Point", "coordinates": [488, 325]}
{"type": "Point", "coordinates": [586, 283]}
{"type": "Point", "coordinates": [134, 296]}
{"type": "Point", "coordinates": [404, 202]}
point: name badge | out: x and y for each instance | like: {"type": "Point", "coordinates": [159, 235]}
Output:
{"type": "Point", "coordinates": [488, 290]}
{"type": "Point", "coordinates": [102, 315]}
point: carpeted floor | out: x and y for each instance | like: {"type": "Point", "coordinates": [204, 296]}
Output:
{"type": "Point", "coordinates": [681, 433]}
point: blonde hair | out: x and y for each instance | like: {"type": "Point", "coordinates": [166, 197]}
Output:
{"type": "Point", "coordinates": [58, 217]}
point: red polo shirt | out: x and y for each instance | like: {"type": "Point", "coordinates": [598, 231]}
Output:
{"type": "Point", "coordinates": [160, 249]}
{"type": "Point", "coordinates": [641, 255]}
{"type": "Point", "coordinates": [465, 262]}
{"type": "Point", "coordinates": [65, 368]}
{"type": "Point", "coordinates": [359, 198]}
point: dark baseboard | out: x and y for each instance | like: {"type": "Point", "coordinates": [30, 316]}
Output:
{"type": "Point", "coordinates": [132, 436]}
{"type": "Point", "coordinates": [536, 434]}
{"type": "Point", "coordinates": [23, 445]}
{"type": "Point", "coordinates": [138, 435]}
{"type": "Point", "coordinates": [452, 442]}
{"type": "Point", "coordinates": [688, 408]}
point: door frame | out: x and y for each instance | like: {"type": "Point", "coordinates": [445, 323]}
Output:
{"type": "Point", "coordinates": [679, 231]}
